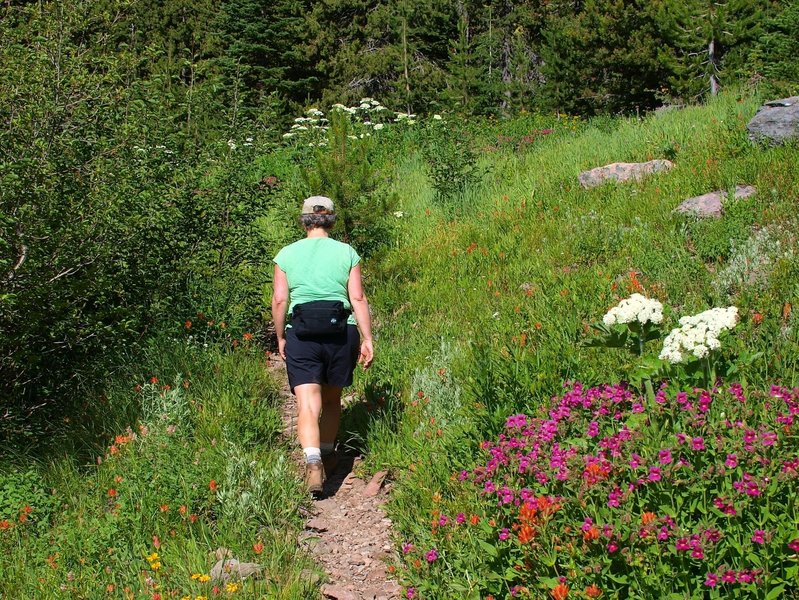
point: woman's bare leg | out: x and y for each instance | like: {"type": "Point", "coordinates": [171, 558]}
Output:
{"type": "Point", "coordinates": [331, 414]}
{"type": "Point", "coordinates": [309, 409]}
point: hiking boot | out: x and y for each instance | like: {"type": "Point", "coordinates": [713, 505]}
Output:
{"type": "Point", "coordinates": [330, 461]}
{"type": "Point", "coordinates": [314, 477]}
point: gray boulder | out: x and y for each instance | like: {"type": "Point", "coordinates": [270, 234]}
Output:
{"type": "Point", "coordinates": [710, 205]}
{"type": "Point", "coordinates": [225, 570]}
{"type": "Point", "coordinates": [776, 122]}
{"type": "Point", "coordinates": [622, 172]}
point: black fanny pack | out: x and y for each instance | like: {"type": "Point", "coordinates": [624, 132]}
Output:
{"type": "Point", "coordinates": [322, 317]}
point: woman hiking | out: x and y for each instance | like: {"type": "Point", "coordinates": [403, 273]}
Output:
{"type": "Point", "coordinates": [318, 284]}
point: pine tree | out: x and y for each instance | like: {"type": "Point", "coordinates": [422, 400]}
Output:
{"type": "Point", "coordinates": [266, 50]}
{"type": "Point", "coordinates": [774, 55]}
{"type": "Point", "coordinates": [603, 57]}
{"type": "Point", "coordinates": [707, 40]}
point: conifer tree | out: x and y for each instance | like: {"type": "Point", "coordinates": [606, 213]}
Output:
{"type": "Point", "coordinates": [266, 49]}
{"type": "Point", "coordinates": [707, 40]}
{"type": "Point", "coordinates": [603, 57]}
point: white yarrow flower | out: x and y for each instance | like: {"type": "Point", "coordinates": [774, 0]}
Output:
{"type": "Point", "coordinates": [635, 308]}
{"type": "Point", "coordinates": [378, 126]}
{"type": "Point", "coordinates": [698, 334]}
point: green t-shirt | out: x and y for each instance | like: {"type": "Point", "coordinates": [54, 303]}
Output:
{"type": "Point", "coordinates": [318, 269]}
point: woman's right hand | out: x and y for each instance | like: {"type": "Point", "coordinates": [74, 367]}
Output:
{"type": "Point", "coordinates": [367, 354]}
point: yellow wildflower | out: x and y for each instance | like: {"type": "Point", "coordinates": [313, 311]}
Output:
{"type": "Point", "coordinates": [232, 587]}
{"type": "Point", "coordinates": [152, 557]}
{"type": "Point", "coordinates": [201, 598]}
{"type": "Point", "coordinates": [155, 565]}
{"type": "Point", "coordinates": [203, 578]}
{"type": "Point", "coordinates": [186, 597]}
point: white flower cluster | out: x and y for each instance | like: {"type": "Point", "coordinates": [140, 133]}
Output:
{"type": "Point", "coordinates": [698, 334]}
{"type": "Point", "coordinates": [314, 126]}
{"type": "Point", "coordinates": [635, 308]}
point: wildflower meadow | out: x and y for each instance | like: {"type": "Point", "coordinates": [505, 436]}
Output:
{"type": "Point", "coordinates": [574, 395]}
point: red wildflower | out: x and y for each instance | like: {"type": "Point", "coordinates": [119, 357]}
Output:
{"type": "Point", "coordinates": [526, 534]}
{"type": "Point", "coordinates": [560, 591]}
{"type": "Point", "coordinates": [153, 380]}
{"type": "Point", "coordinates": [5, 524]}
{"type": "Point", "coordinates": [247, 337]}
{"type": "Point", "coordinates": [648, 517]}
{"type": "Point", "coordinates": [112, 493]}
{"type": "Point", "coordinates": [593, 591]}
{"type": "Point", "coordinates": [258, 547]}
{"type": "Point", "coordinates": [188, 324]}
{"type": "Point", "coordinates": [212, 485]}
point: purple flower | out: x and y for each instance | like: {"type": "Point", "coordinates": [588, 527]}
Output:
{"type": "Point", "coordinates": [612, 547]}
{"type": "Point", "coordinates": [504, 534]}
{"type": "Point", "coordinates": [745, 577]}
{"type": "Point", "coordinates": [460, 518]}
{"type": "Point", "coordinates": [431, 556]}
{"type": "Point", "coordinates": [410, 593]}
{"type": "Point", "coordinates": [593, 429]}
{"type": "Point", "coordinates": [711, 580]}
{"type": "Point", "coordinates": [664, 456]}
{"type": "Point", "coordinates": [759, 536]}
{"type": "Point", "coordinates": [588, 523]}
{"type": "Point", "coordinates": [442, 520]}
{"type": "Point", "coordinates": [731, 462]}
{"type": "Point", "coordinates": [682, 545]}
{"type": "Point", "coordinates": [663, 534]}
{"type": "Point", "coordinates": [794, 545]}
{"type": "Point", "coordinates": [729, 576]}
{"type": "Point", "coordinates": [407, 547]}
{"type": "Point", "coordinates": [698, 443]}
{"type": "Point", "coordinates": [697, 553]}
{"type": "Point", "coordinates": [654, 473]}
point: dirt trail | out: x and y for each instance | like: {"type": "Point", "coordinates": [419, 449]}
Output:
{"type": "Point", "coordinates": [347, 531]}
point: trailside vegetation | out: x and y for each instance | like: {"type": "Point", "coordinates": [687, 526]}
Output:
{"type": "Point", "coordinates": [152, 158]}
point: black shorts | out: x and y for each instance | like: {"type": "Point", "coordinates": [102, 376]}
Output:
{"type": "Point", "coordinates": [328, 360]}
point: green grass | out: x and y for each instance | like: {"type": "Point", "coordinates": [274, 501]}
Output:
{"type": "Point", "coordinates": [510, 278]}
{"type": "Point", "coordinates": [204, 467]}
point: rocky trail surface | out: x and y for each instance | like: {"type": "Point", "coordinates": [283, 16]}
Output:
{"type": "Point", "coordinates": [347, 531]}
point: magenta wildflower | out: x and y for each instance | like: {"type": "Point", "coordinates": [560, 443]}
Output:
{"type": "Point", "coordinates": [407, 547]}
{"type": "Point", "coordinates": [431, 556]}
{"type": "Point", "coordinates": [664, 456]}
{"type": "Point", "coordinates": [794, 545]}
{"type": "Point", "coordinates": [411, 593]}
{"type": "Point", "coordinates": [731, 462]}
{"type": "Point", "coordinates": [504, 534]}
{"type": "Point", "coordinates": [711, 580]}
{"type": "Point", "coordinates": [612, 547]}
{"type": "Point", "coordinates": [460, 518]}
{"type": "Point", "coordinates": [654, 474]}
{"type": "Point", "coordinates": [759, 536]}
{"type": "Point", "coordinates": [729, 576]}
{"type": "Point", "coordinates": [698, 443]}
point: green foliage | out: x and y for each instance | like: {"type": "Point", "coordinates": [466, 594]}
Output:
{"type": "Point", "coordinates": [451, 160]}
{"type": "Point", "coordinates": [714, 239]}
{"type": "Point", "coordinates": [203, 468]}
{"type": "Point", "coordinates": [774, 53]}
{"type": "Point", "coordinates": [342, 169]}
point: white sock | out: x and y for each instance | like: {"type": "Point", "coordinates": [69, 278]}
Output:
{"type": "Point", "coordinates": [312, 455]}
{"type": "Point", "coordinates": [327, 447]}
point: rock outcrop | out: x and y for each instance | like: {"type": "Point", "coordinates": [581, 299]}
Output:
{"type": "Point", "coordinates": [776, 122]}
{"type": "Point", "coordinates": [710, 205]}
{"type": "Point", "coordinates": [622, 172]}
